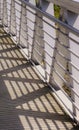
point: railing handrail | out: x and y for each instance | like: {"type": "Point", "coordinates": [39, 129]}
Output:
{"type": "Point", "coordinates": [59, 22]}
{"type": "Point", "coordinates": [72, 5]}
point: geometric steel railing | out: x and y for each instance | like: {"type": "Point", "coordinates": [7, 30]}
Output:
{"type": "Point", "coordinates": [52, 45]}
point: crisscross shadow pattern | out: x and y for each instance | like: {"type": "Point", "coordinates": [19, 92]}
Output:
{"type": "Point", "coordinates": [26, 103]}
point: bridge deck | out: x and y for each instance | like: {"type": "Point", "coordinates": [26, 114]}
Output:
{"type": "Point", "coordinates": [26, 103]}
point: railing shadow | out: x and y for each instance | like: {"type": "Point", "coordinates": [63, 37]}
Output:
{"type": "Point", "coordinates": [26, 103]}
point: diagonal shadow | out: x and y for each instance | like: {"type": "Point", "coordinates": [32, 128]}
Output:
{"type": "Point", "coordinates": [26, 103]}
{"type": "Point", "coordinates": [10, 110]}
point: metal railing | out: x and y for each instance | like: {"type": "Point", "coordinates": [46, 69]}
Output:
{"type": "Point", "coordinates": [50, 44]}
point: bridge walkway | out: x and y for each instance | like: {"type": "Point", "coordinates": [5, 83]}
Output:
{"type": "Point", "coordinates": [26, 102]}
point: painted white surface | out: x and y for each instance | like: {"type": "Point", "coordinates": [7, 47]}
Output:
{"type": "Point", "coordinates": [73, 20]}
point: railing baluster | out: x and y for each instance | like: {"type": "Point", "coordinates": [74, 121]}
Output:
{"type": "Point", "coordinates": [23, 36]}
{"type": "Point", "coordinates": [5, 14]}
{"type": "Point", "coordinates": [49, 39]}
{"type": "Point", "coordinates": [12, 27]}
{"type": "Point", "coordinates": [0, 10]}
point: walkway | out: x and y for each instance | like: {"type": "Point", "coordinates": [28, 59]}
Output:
{"type": "Point", "coordinates": [26, 103]}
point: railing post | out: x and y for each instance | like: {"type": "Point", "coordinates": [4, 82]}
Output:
{"type": "Point", "coordinates": [0, 11]}
{"type": "Point", "coordinates": [41, 37]}
{"type": "Point", "coordinates": [5, 14]}
{"type": "Point", "coordinates": [62, 55]}
{"type": "Point", "coordinates": [18, 18]}
{"type": "Point", "coordinates": [12, 26]}
{"type": "Point", "coordinates": [59, 40]}
{"type": "Point", "coordinates": [23, 27]}
{"type": "Point", "coordinates": [49, 38]}
{"type": "Point", "coordinates": [31, 27]}
{"type": "Point", "coordinates": [37, 54]}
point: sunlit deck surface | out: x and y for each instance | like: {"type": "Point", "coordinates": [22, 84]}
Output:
{"type": "Point", "coordinates": [26, 103]}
